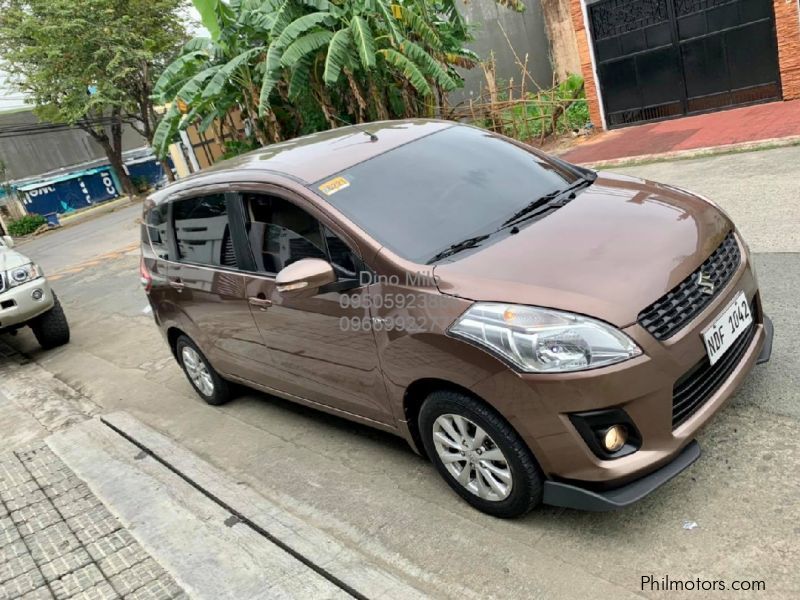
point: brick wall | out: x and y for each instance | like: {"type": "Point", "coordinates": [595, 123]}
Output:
{"type": "Point", "coordinates": [787, 23]}
{"type": "Point", "coordinates": [586, 64]}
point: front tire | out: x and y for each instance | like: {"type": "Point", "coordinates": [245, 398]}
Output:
{"type": "Point", "coordinates": [51, 329]}
{"type": "Point", "coordinates": [480, 455]}
{"type": "Point", "coordinates": [204, 379]}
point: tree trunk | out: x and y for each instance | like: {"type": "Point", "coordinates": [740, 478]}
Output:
{"type": "Point", "coordinates": [112, 146]}
{"type": "Point", "coordinates": [563, 41]}
{"type": "Point", "coordinates": [115, 158]}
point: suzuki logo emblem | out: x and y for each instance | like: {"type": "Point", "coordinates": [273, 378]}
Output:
{"type": "Point", "coordinates": [705, 283]}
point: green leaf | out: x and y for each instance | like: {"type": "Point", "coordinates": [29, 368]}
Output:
{"type": "Point", "coordinates": [301, 75]}
{"type": "Point", "coordinates": [365, 43]}
{"type": "Point", "coordinates": [271, 79]}
{"type": "Point", "coordinates": [389, 20]}
{"type": "Point", "coordinates": [166, 130]}
{"type": "Point", "coordinates": [283, 16]}
{"type": "Point", "coordinates": [409, 69]}
{"type": "Point", "coordinates": [420, 27]}
{"type": "Point", "coordinates": [198, 44]}
{"type": "Point", "coordinates": [311, 42]}
{"type": "Point", "coordinates": [318, 4]}
{"type": "Point", "coordinates": [208, 15]}
{"type": "Point", "coordinates": [223, 75]}
{"type": "Point", "coordinates": [175, 69]}
{"type": "Point", "coordinates": [338, 53]}
{"type": "Point", "coordinates": [429, 65]}
{"type": "Point", "coordinates": [300, 26]}
{"type": "Point", "coordinates": [194, 86]}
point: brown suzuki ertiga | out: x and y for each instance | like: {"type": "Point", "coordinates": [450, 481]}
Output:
{"type": "Point", "coordinates": [542, 332]}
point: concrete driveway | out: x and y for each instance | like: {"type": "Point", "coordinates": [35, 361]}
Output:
{"type": "Point", "coordinates": [733, 516]}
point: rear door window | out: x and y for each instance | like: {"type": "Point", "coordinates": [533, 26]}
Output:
{"type": "Point", "coordinates": [202, 231]}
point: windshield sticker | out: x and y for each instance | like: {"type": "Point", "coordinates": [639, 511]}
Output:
{"type": "Point", "coordinates": [329, 188]}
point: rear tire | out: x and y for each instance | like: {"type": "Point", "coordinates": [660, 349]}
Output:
{"type": "Point", "coordinates": [209, 385]}
{"type": "Point", "coordinates": [51, 329]}
{"type": "Point", "coordinates": [480, 455]}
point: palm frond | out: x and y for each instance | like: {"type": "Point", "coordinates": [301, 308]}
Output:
{"type": "Point", "coordinates": [310, 42]}
{"type": "Point", "coordinates": [421, 29]}
{"type": "Point", "coordinates": [196, 44]}
{"type": "Point", "coordinates": [338, 53]}
{"type": "Point", "coordinates": [299, 80]}
{"type": "Point", "coordinates": [194, 86]}
{"type": "Point", "coordinates": [300, 26]}
{"type": "Point", "coordinates": [464, 58]}
{"type": "Point", "coordinates": [389, 20]}
{"type": "Point", "coordinates": [270, 81]}
{"type": "Point", "coordinates": [175, 69]}
{"type": "Point", "coordinates": [364, 42]}
{"type": "Point", "coordinates": [408, 68]}
{"type": "Point", "coordinates": [223, 75]}
{"type": "Point", "coordinates": [166, 130]}
{"type": "Point", "coordinates": [429, 66]}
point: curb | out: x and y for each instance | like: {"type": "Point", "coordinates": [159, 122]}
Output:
{"type": "Point", "coordinates": [215, 536]}
{"type": "Point", "coordinates": [709, 151]}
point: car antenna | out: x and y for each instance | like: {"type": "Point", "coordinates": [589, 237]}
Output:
{"type": "Point", "coordinates": [372, 136]}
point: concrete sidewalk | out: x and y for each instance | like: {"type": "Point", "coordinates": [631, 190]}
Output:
{"type": "Point", "coordinates": [776, 123]}
{"type": "Point", "coordinates": [106, 507]}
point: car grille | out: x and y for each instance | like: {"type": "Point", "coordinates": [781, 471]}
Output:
{"type": "Point", "coordinates": [693, 389]}
{"type": "Point", "coordinates": [671, 312]}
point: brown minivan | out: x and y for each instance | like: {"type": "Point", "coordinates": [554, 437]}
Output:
{"type": "Point", "coordinates": [543, 333]}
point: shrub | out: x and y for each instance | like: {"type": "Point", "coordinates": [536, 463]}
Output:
{"type": "Point", "coordinates": [141, 184]}
{"type": "Point", "coordinates": [26, 225]}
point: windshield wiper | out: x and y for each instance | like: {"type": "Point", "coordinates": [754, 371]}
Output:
{"type": "Point", "coordinates": [546, 203]}
{"type": "Point", "coordinates": [467, 244]}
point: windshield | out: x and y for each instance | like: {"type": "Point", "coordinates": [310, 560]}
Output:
{"type": "Point", "coordinates": [451, 186]}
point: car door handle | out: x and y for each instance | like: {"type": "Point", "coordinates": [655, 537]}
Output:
{"type": "Point", "coordinates": [177, 284]}
{"type": "Point", "coordinates": [261, 303]}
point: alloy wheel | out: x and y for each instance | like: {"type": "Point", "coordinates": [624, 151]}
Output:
{"type": "Point", "coordinates": [472, 457]}
{"type": "Point", "coordinates": [197, 371]}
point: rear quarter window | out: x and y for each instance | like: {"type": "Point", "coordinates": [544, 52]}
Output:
{"type": "Point", "coordinates": [156, 226]}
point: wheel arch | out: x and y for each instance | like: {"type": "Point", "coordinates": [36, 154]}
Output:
{"type": "Point", "coordinates": [415, 396]}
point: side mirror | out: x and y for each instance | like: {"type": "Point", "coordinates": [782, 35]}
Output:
{"type": "Point", "coordinates": [304, 278]}
{"type": "Point", "coordinates": [8, 241]}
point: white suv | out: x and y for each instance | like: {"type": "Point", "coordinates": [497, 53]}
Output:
{"type": "Point", "coordinates": [26, 299]}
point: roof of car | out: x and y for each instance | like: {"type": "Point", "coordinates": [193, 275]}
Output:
{"type": "Point", "coordinates": [314, 157]}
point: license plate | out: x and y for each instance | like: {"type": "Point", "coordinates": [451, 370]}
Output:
{"type": "Point", "coordinates": [732, 323]}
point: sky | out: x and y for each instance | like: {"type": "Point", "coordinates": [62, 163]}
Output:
{"type": "Point", "coordinates": [11, 98]}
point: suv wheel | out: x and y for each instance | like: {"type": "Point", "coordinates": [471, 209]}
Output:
{"type": "Point", "coordinates": [51, 329]}
{"type": "Point", "coordinates": [480, 455]}
{"type": "Point", "coordinates": [204, 379]}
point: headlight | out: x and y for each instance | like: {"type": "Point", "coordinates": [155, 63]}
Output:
{"type": "Point", "coordinates": [23, 274]}
{"type": "Point", "coordinates": [539, 340]}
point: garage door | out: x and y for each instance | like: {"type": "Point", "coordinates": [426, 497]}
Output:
{"type": "Point", "coordinates": [665, 58]}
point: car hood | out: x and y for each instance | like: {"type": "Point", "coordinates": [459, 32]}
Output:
{"type": "Point", "coordinates": [615, 249]}
{"type": "Point", "coordinates": [9, 259]}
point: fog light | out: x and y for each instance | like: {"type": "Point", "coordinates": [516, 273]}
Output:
{"type": "Point", "coordinates": [615, 437]}
{"type": "Point", "coordinates": [37, 295]}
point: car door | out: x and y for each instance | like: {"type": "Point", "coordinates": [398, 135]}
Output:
{"type": "Point", "coordinates": [208, 286]}
{"type": "Point", "coordinates": [323, 348]}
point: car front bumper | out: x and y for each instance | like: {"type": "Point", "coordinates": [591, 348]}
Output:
{"type": "Point", "coordinates": [539, 407]}
{"type": "Point", "coordinates": [17, 306]}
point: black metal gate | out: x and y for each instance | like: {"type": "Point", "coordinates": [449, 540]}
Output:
{"type": "Point", "coordinates": [664, 58]}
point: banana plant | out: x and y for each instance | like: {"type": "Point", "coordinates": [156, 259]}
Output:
{"type": "Point", "coordinates": [363, 58]}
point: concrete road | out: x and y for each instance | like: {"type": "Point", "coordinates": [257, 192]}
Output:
{"type": "Point", "coordinates": [733, 516]}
